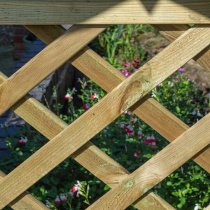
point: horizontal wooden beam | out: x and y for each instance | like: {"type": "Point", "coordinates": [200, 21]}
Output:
{"type": "Point", "coordinates": [104, 12]}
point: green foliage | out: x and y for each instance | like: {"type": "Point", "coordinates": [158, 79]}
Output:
{"type": "Point", "coordinates": [183, 98]}
{"type": "Point", "coordinates": [188, 184]}
{"type": "Point", "coordinates": [120, 43]}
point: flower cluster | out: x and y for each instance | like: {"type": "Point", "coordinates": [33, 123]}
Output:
{"type": "Point", "coordinates": [94, 96]}
{"type": "Point", "coordinates": [63, 200]}
{"type": "Point", "coordinates": [151, 141]}
{"type": "Point", "coordinates": [69, 94]}
{"type": "Point", "coordinates": [140, 134]}
{"type": "Point", "coordinates": [76, 189]}
{"type": "Point", "coordinates": [86, 106]}
{"type": "Point", "coordinates": [60, 199]}
{"type": "Point", "coordinates": [181, 70]}
{"type": "Point", "coordinates": [125, 72]}
{"type": "Point", "coordinates": [135, 64]}
{"type": "Point", "coordinates": [130, 67]}
{"type": "Point", "coordinates": [137, 154]}
{"type": "Point", "coordinates": [128, 129]}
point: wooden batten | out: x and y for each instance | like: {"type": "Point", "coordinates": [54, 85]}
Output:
{"type": "Point", "coordinates": [104, 12]}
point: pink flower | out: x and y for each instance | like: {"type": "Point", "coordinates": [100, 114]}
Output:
{"type": "Point", "coordinates": [151, 141]}
{"type": "Point", "coordinates": [86, 106]}
{"type": "Point", "coordinates": [153, 145]}
{"type": "Point", "coordinates": [140, 134]}
{"type": "Point", "coordinates": [181, 70]}
{"type": "Point", "coordinates": [94, 96]}
{"type": "Point", "coordinates": [57, 201]}
{"type": "Point", "coordinates": [22, 140]}
{"type": "Point", "coordinates": [132, 134]}
{"type": "Point", "coordinates": [128, 129]}
{"type": "Point", "coordinates": [74, 189]}
{"type": "Point", "coordinates": [125, 72]}
{"type": "Point", "coordinates": [135, 65]}
{"type": "Point", "coordinates": [126, 64]}
{"type": "Point", "coordinates": [68, 97]}
{"type": "Point", "coordinates": [137, 154]}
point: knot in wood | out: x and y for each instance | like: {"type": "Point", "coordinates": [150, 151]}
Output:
{"type": "Point", "coordinates": [134, 92]}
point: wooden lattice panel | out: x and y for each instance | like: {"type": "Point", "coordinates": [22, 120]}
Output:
{"type": "Point", "coordinates": [73, 140]}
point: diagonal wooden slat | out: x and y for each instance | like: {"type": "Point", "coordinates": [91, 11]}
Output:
{"type": "Point", "coordinates": [106, 76]}
{"type": "Point", "coordinates": [138, 85]}
{"type": "Point", "coordinates": [26, 201]}
{"type": "Point", "coordinates": [50, 125]}
{"type": "Point", "coordinates": [47, 61]}
{"type": "Point", "coordinates": [149, 110]}
{"type": "Point", "coordinates": [104, 12]}
{"type": "Point", "coordinates": [153, 202]}
{"type": "Point", "coordinates": [172, 32]}
{"type": "Point", "coordinates": [207, 208]}
{"type": "Point", "coordinates": [157, 168]}
{"type": "Point", "coordinates": [88, 156]}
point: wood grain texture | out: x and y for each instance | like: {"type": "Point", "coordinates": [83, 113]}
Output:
{"type": "Point", "coordinates": [152, 201]}
{"type": "Point", "coordinates": [99, 116]}
{"type": "Point", "coordinates": [104, 12]}
{"type": "Point", "coordinates": [172, 32]}
{"type": "Point", "coordinates": [89, 156]}
{"type": "Point", "coordinates": [26, 201]}
{"type": "Point", "coordinates": [149, 110]}
{"type": "Point", "coordinates": [157, 168]}
{"type": "Point", "coordinates": [44, 63]}
{"type": "Point", "coordinates": [50, 125]}
{"type": "Point", "coordinates": [108, 77]}
{"type": "Point", "coordinates": [173, 127]}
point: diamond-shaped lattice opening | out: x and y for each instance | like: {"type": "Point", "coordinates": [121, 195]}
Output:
{"type": "Point", "coordinates": [69, 186]}
{"type": "Point", "coordinates": [186, 98]}
{"type": "Point", "coordinates": [14, 43]}
{"type": "Point", "coordinates": [76, 100]}
{"type": "Point", "coordinates": [126, 55]}
{"type": "Point", "coordinates": [186, 187]}
{"type": "Point", "coordinates": [21, 142]}
{"type": "Point", "coordinates": [129, 141]}
{"type": "Point", "coordinates": [128, 47]}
